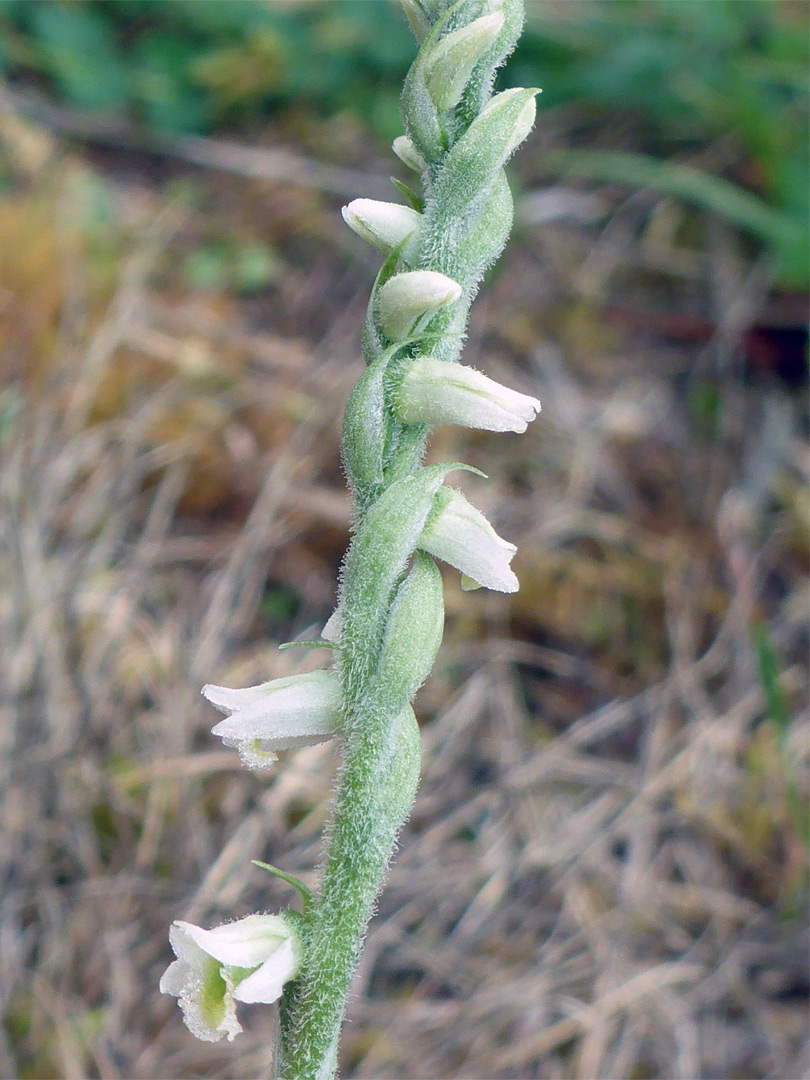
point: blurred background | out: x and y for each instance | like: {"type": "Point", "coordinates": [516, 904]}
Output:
{"type": "Point", "coordinates": [605, 873]}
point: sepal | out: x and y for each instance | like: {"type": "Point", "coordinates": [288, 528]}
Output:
{"type": "Point", "coordinates": [414, 631]}
{"type": "Point", "coordinates": [417, 19]}
{"type": "Point", "coordinates": [485, 146]}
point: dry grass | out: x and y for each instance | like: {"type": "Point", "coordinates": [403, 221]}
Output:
{"type": "Point", "coordinates": [604, 874]}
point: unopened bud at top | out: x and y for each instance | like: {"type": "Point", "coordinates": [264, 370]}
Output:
{"type": "Point", "coordinates": [406, 298]}
{"type": "Point", "coordinates": [438, 392]}
{"type": "Point", "coordinates": [452, 59]}
{"type": "Point", "coordinates": [385, 226]}
{"type": "Point", "coordinates": [408, 154]}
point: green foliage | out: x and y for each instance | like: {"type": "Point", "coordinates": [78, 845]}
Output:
{"type": "Point", "coordinates": [686, 71]}
{"type": "Point", "coordinates": [691, 72]}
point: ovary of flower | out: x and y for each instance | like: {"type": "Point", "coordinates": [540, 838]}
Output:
{"type": "Point", "coordinates": [249, 960]}
{"type": "Point", "coordinates": [438, 392]}
{"type": "Point", "coordinates": [298, 710]}
{"type": "Point", "coordinates": [461, 535]}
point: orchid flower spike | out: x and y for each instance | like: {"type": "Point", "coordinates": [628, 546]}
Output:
{"type": "Point", "coordinates": [438, 392]}
{"type": "Point", "coordinates": [461, 535]}
{"type": "Point", "coordinates": [249, 960]}
{"type": "Point", "coordinates": [298, 710]}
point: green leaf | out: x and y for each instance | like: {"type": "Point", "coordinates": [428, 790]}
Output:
{"type": "Point", "coordinates": [78, 50]}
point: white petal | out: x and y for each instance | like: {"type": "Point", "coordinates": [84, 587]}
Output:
{"type": "Point", "coordinates": [461, 535]}
{"type": "Point", "coordinates": [267, 983]}
{"type": "Point", "coordinates": [408, 154]}
{"type": "Point", "coordinates": [245, 943]}
{"type": "Point", "coordinates": [229, 700]}
{"type": "Point", "coordinates": [184, 947]}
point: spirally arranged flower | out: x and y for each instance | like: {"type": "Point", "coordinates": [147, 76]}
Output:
{"type": "Point", "coordinates": [298, 710]}
{"type": "Point", "coordinates": [249, 960]}
{"type": "Point", "coordinates": [459, 534]}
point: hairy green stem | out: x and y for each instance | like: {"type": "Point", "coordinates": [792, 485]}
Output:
{"type": "Point", "coordinates": [391, 594]}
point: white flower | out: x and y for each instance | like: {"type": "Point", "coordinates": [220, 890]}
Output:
{"type": "Point", "coordinates": [407, 153]}
{"type": "Point", "coordinates": [294, 711]}
{"type": "Point", "coordinates": [249, 960]}
{"type": "Point", "coordinates": [461, 535]}
{"type": "Point", "coordinates": [385, 226]}
{"type": "Point", "coordinates": [438, 392]}
{"type": "Point", "coordinates": [405, 298]}
{"type": "Point", "coordinates": [451, 60]}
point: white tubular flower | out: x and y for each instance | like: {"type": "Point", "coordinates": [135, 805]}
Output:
{"type": "Point", "coordinates": [437, 392]}
{"type": "Point", "coordinates": [249, 960]}
{"type": "Point", "coordinates": [406, 298]}
{"type": "Point", "coordinates": [298, 710]}
{"type": "Point", "coordinates": [453, 59]}
{"type": "Point", "coordinates": [408, 154]}
{"type": "Point", "coordinates": [385, 225]}
{"type": "Point", "coordinates": [461, 535]}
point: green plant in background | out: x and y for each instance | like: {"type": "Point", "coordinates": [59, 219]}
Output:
{"type": "Point", "coordinates": [388, 624]}
{"type": "Point", "coordinates": [681, 72]}
{"type": "Point", "coordinates": [690, 72]}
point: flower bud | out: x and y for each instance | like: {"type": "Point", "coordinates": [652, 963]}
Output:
{"type": "Point", "coordinates": [473, 161]}
{"type": "Point", "coordinates": [408, 154]}
{"type": "Point", "coordinates": [460, 535]}
{"type": "Point", "coordinates": [406, 298]}
{"type": "Point", "coordinates": [385, 226]}
{"type": "Point", "coordinates": [249, 960]}
{"type": "Point", "coordinates": [438, 392]}
{"type": "Point", "coordinates": [413, 633]}
{"type": "Point", "coordinates": [298, 710]}
{"type": "Point", "coordinates": [521, 127]}
{"type": "Point", "coordinates": [450, 63]}
{"type": "Point", "coordinates": [417, 20]}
